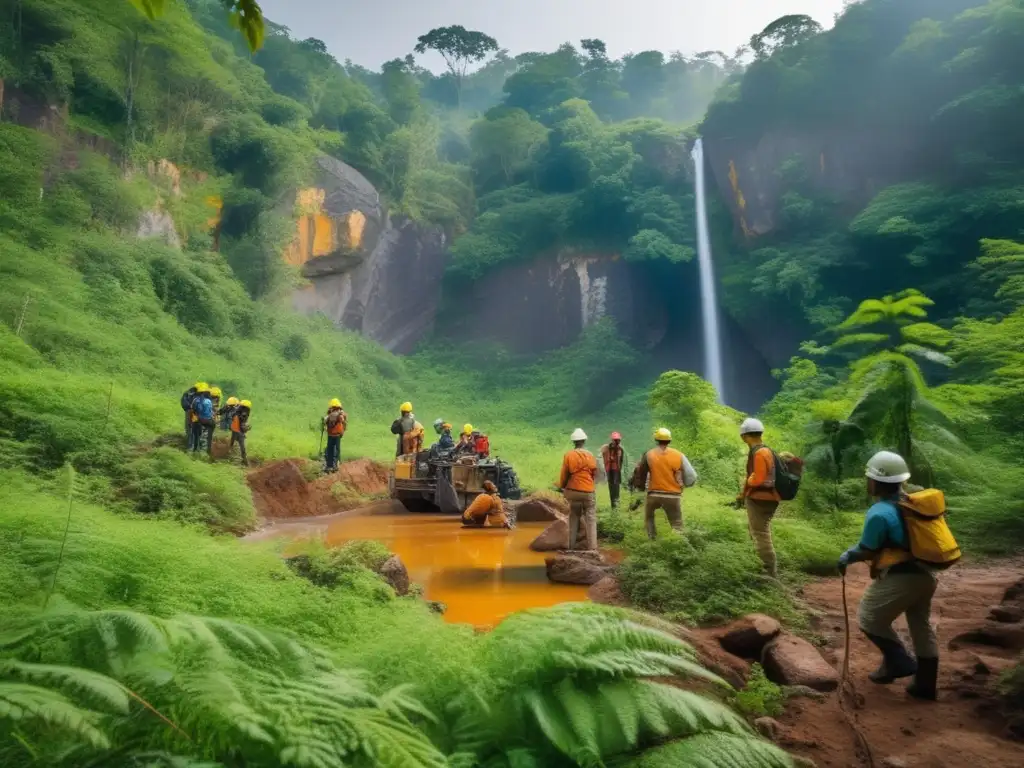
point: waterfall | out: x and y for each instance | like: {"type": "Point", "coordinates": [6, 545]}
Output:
{"type": "Point", "coordinates": [708, 300]}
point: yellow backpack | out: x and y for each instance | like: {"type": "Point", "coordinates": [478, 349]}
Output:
{"type": "Point", "coordinates": [928, 534]}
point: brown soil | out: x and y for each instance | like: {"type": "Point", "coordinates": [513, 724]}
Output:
{"type": "Point", "coordinates": [961, 729]}
{"type": "Point", "coordinates": [280, 488]}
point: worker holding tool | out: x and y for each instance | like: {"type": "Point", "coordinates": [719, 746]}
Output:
{"type": "Point", "coordinates": [906, 540]}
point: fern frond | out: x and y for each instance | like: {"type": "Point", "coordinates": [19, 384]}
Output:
{"type": "Point", "coordinates": [713, 750]}
{"type": "Point", "coordinates": [92, 687]}
{"type": "Point", "coordinates": [851, 339]}
{"type": "Point", "coordinates": [24, 704]}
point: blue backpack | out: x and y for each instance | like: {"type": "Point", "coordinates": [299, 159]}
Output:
{"type": "Point", "coordinates": [203, 408]}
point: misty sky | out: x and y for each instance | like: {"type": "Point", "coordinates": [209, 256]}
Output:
{"type": "Point", "coordinates": [371, 32]}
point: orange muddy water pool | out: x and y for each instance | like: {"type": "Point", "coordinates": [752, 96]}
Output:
{"type": "Point", "coordinates": [481, 574]}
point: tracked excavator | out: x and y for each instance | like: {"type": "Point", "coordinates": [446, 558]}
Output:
{"type": "Point", "coordinates": [438, 480]}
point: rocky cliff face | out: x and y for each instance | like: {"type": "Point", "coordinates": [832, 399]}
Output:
{"type": "Point", "coordinates": [849, 163]}
{"type": "Point", "coordinates": [544, 304]}
{"type": "Point", "coordinates": [368, 271]}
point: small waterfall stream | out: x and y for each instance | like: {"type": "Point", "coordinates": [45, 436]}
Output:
{"type": "Point", "coordinates": [708, 298]}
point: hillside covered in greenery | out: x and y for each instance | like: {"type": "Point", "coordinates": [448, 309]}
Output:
{"type": "Point", "coordinates": [148, 178]}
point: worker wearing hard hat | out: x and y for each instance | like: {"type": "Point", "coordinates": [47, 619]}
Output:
{"type": "Point", "coordinates": [202, 414]}
{"type": "Point", "coordinates": [903, 581]}
{"type": "Point", "coordinates": [402, 426]}
{"type": "Point", "coordinates": [446, 442]}
{"type": "Point", "coordinates": [335, 423]}
{"type": "Point", "coordinates": [663, 472]}
{"type": "Point", "coordinates": [576, 482]}
{"type": "Point", "coordinates": [759, 496]}
{"type": "Point", "coordinates": [466, 444]}
{"type": "Point", "coordinates": [186, 406]}
{"type": "Point", "coordinates": [240, 428]}
{"type": "Point", "coordinates": [226, 412]}
{"type": "Point", "coordinates": [613, 457]}
{"type": "Point", "coordinates": [487, 508]}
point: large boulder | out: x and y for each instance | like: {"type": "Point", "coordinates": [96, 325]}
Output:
{"type": "Point", "coordinates": [791, 660]}
{"type": "Point", "coordinates": [394, 572]}
{"type": "Point", "coordinates": [540, 509]}
{"type": "Point", "coordinates": [748, 636]}
{"type": "Point", "coordinates": [361, 261]}
{"type": "Point", "coordinates": [552, 538]}
{"type": "Point", "coordinates": [576, 568]}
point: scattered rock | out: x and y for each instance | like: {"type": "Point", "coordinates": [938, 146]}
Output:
{"type": "Point", "coordinates": [906, 731]}
{"type": "Point", "coordinates": [802, 692]}
{"type": "Point", "coordinates": [996, 635]}
{"type": "Point", "coordinates": [748, 636]}
{"type": "Point", "coordinates": [1014, 593]}
{"type": "Point", "coordinates": [990, 665]}
{"type": "Point", "coordinates": [575, 568]}
{"type": "Point", "coordinates": [1007, 613]}
{"type": "Point", "coordinates": [894, 762]}
{"type": "Point", "coordinates": [554, 537]}
{"type": "Point", "coordinates": [768, 727]}
{"type": "Point", "coordinates": [437, 606]}
{"type": "Point", "coordinates": [791, 660]}
{"type": "Point", "coordinates": [393, 571]}
{"type": "Point", "coordinates": [608, 592]}
{"type": "Point", "coordinates": [540, 509]}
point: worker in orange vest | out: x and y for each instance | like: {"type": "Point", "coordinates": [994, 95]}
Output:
{"type": "Point", "coordinates": [663, 472]}
{"type": "Point", "coordinates": [240, 428]}
{"type": "Point", "coordinates": [576, 483]}
{"type": "Point", "coordinates": [759, 496]}
{"type": "Point", "coordinates": [487, 507]}
{"type": "Point", "coordinates": [613, 456]}
{"type": "Point", "coordinates": [335, 423]}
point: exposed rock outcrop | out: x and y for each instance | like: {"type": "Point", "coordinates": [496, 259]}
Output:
{"type": "Point", "coordinates": [540, 509]}
{"type": "Point", "coordinates": [158, 224]}
{"type": "Point", "coordinates": [748, 636]}
{"type": "Point", "coordinates": [368, 271]}
{"type": "Point", "coordinates": [608, 592]}
{"type": "Point", "coordinates": [546, 303]}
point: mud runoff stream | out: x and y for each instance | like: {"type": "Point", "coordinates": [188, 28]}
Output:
{"type": "Point", "coordinates": [481, 574]}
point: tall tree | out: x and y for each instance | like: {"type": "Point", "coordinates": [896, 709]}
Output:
{"type": "Point", "coordinates": [784, 32]}
{"type": "Point", "coordinates": [459, 47]}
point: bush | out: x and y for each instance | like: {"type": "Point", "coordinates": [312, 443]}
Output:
{"type": "Point", "coordinates": [295, 347]}
{"type": "Point", "coordinates": [760, 697]}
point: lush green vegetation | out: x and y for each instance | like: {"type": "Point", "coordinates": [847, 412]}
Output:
{"type": "Point", "coordinates": [142, 633]}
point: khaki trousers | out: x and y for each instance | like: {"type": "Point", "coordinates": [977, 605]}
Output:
{"type": "Point", "coordinates": [673, 506]}
{"type": "Point", "coordinates": [582, 509]}
{"type": "Point", "coordinates": [892, 594]}
{"type": "Point", "coordinates": [759, 523]}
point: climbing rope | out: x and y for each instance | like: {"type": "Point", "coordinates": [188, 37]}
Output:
{"type": "Point", "coordinates": [846, 688]}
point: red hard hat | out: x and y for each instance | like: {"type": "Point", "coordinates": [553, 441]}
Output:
{"type": "Point", "coordinates": [616, 436]}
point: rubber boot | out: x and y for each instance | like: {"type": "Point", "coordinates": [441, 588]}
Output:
{"type": "Point", "coordinates": [925, 681]}
{"type": "Point", "coordinates": [896, 662]}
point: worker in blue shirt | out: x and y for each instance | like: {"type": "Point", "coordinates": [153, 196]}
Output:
{"type": "Point", "coordinates": [900, 584]}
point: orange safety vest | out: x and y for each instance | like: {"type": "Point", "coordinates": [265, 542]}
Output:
{"type": "Point", "coordinates": [760, 482]}
{"type": "Point", "coordinates": [578, 469]}
{"type": "Point", "coordinates": [337, 427]}
{"type": "Point", "coordinates": [663, 466]}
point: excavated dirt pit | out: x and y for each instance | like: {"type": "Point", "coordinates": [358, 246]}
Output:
{"type": "Point", "coordinates": [290, 488]}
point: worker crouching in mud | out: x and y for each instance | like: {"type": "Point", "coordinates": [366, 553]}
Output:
{"type": "Point", "coordinates": [576, 483]}
{"type": "Point", "coordinates": [906, 539]}
{"type": "Point", "coordinates": [663, 471]}
{"type": "Point", "coordinates": [487, 509]}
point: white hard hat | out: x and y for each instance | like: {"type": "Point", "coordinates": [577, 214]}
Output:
{"type": "Point", "coordinates": [751, 426]}
{"type": "Point", "coordinates": [577, 435]}
{"type": "Point", "coordinates": [887, 467]}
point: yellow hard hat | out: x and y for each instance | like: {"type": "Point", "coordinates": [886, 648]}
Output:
{"type": "Point", "coordinates": [246, 404]}
{"type": "Point", "coordinates": [202, 386]}
{"type": "Point", "coordinates": [197, 385]}
{"type": "Point", "coordinates": [232, 400]}
{"type": "Point", "coordinates": [661, 434]}
{"type": "Point", "coordinates": [215, 391]}
{"type": "Point", "coordinates": [467, 429]}
{"type": "Point", "coordinates": [406, 407]}
{"type": "Point", "coordinates": [335, 403]}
